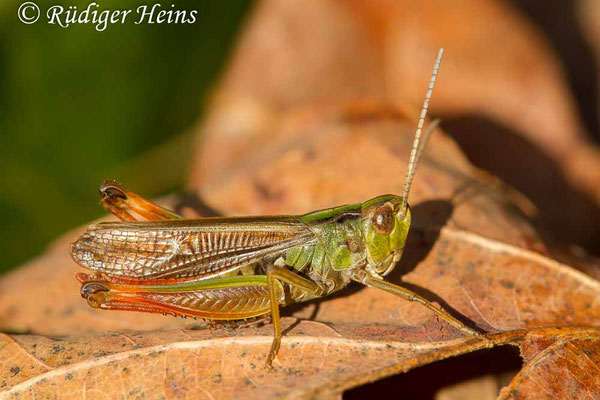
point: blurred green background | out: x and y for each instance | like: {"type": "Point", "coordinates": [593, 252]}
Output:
{"type": "Point", "coordinates": [79, 106]}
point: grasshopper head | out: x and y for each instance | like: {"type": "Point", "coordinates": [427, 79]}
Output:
{"type": "Point", "coordinates": [386, 219]}
{"type": "Point", "coordinates": [385, 223]}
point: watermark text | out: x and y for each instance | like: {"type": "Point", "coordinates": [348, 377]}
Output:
{"type": "Point", "coordinates": [65, 16]}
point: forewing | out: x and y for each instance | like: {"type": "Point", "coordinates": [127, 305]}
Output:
{"type": "Point", "coordinates": [181, 249]}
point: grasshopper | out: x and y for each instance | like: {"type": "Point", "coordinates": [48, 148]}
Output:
{"type": "Point", "coordinates": [243, 267]}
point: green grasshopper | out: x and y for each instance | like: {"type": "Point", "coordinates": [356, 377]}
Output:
{"type": "Point", "coordinates": [244, 267]}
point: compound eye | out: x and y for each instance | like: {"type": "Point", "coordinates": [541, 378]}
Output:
{"type": "Point", "coordinates": [383, 220]}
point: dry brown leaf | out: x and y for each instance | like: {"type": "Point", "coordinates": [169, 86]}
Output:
{"type": "Point", "coordinates": [506, 103]}
{"type": "Point", "coordinates": [564, 367]}
{"type": "Point", "coordinates": [192, 363]}
{"type": "Point", "coordinates": [182, 364]}
{"type": "Point", "coordinates": [470, 250]}
{"type": "Point", "coordinates": [303, 52]}
{"type": "Point", "coordinates": [271, 147]}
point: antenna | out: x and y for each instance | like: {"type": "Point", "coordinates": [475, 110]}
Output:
{"type": "Point", "coordinates": [432, 127]}
{"type": "Point", "coordinates": [417, 148]}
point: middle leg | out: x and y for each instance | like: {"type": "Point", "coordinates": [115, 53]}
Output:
{"type": "Point", "coordinates": [283, 275]}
